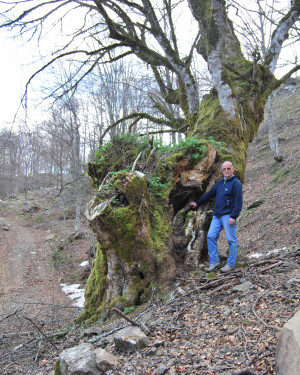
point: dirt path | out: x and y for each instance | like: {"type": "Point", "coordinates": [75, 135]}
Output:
{"type": "Point", "coordinates": [31, 299]}
{"type": "Point", "coordinates": [27, 276]}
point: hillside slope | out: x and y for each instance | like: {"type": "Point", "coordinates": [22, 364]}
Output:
{"type": "Point", "coordinates": [275, 223]}
{"type": "Point", "coordinates": [209, 343]}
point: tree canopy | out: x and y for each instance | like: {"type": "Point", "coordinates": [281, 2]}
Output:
{"type": "Point", "coordinates": [168, 36]}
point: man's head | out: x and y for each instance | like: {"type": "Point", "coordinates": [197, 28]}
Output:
{"type": "Point", "coordinates": [227, 169]}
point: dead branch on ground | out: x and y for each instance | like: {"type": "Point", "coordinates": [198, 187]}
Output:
{"type": "Point", "coordinates": [133, 322]}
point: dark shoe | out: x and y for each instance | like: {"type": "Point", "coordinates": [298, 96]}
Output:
{"type": "Point", "coordinates": [227, 268]}
{"type": "Point", "coordinates": [213, 266]}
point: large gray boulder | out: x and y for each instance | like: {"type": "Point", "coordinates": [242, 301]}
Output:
{"type": "Point", "coordinates": [287, 359]}
{"type": "Point", "coordinates": [130, 339]}
{"type": "Point", "coordinates": [85, 360]}
{"type": "Point", "coordinates": [79, 360]}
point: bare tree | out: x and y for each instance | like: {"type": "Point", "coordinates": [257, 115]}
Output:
{"type": "Point", "coordinates": [65, 149]}
{"type": "Point", "coordinates": [23, 161]}
{"type": "Point", "coordinates": [9, 143]}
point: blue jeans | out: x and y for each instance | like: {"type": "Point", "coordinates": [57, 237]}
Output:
{"type": "Point", "coordinates": [217, 224]}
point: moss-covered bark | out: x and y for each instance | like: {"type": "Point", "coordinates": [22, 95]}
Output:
{"type": "Point", "coordinates": [143, 225]}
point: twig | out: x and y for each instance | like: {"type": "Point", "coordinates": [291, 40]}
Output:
{"type": "Point", "coordinates": [259, 356]}
{"type": "Point", "coordinates": [47, 304]}
{"type": "Point", "coordinates": [259, 318]}
{"type": "Point", "coordinates": [134, 322]}
{"type": "Point", "coordinates": [19, 347]}
{"type": "Point", "coordinates": [145, 311]}
{"type": "Point", "coordinates": [42, 333]}
{"type": "Point", "coordinates": [263, 262]}
{"type": "Point", "coordinates": [29, 333]}
{"type": "Point", "coordinates": [209, 285]}
{"type": "Point", "coordinates": [220, 287]}
{"type": "Point", "coordinates": [246, 343]}
{"type": "Point", "coordinates": [270, 267]}
{"type": "Point", "coordinates": [98, 338]}
{"type": "Point", "coordinates": [177, 315]}
{"type": "Point", "coordinates": [39, 349]}
{"type": "Point", "coordinates": [135, 162]}
{"type": "Point", "coordinates": [18, 309]}
{"type": "Point", "coordinates": [103, 181]}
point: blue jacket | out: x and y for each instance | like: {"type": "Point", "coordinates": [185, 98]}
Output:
{"type": "Point", "coordinates": [229, 197]}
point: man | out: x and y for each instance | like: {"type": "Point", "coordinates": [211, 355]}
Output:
{"type": "Point", "coordinates": [228, 205]}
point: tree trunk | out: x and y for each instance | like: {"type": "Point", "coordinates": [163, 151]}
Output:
{"type": "Point", "coordinates": [273, 138]}
{"type": "Point", "coordinates": [149, 241]}
{"type": "Point", "coordinates": [147, 233]}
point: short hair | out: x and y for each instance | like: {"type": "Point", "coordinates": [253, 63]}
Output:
{"type": "Point", "coordinates": [227, 161]}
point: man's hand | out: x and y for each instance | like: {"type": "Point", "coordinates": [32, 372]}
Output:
{"type": "Point", "coordinates": [231, 221]}
{"type": "Point", "coordinates": [193, 204]}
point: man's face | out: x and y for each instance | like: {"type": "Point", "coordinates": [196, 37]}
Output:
{"type": "Point", "coordinates": [227, 170]}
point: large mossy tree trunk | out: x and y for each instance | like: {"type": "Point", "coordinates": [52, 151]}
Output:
{"type": "Point", "coordinates": [147, 234]}
{"type": "Point", "coordinates": [146, 237]}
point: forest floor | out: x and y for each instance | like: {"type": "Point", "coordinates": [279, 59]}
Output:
{"type": "Point", "coordinates": [205, 327]}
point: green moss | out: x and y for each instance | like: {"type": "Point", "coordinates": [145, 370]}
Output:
{"type": "Point", "coordinates": [137, 190]}
{"type": "Point", "coordinates": [117, 155]}
{"type": "Point", "coordinates": [39, 218]}
{"type": "Point", "coordinates": [166, 166]}
{"type": "Point", "coordinates": [137, 233]}
{"type": "Point", "coordinates": [213, 122]}
{"type": "Point", "coordinates": [280, 175]}
{"type": "Point", "coordinates": [95, 286]}
{"type": "Point", "coordinates": [57, 368]}
{"type": "Point", "coordinates": [160, 230]}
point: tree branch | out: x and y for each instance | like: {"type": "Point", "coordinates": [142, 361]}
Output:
{"type": "Point", "coordinates": [42, 333]}
{"type": "Point", "coordinates": [280, 35]}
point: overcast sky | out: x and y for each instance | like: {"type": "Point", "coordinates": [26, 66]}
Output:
{"type": "Point", "coordinates": [15, 69]}
{"type": "Point", "coordinates": [10, 78]}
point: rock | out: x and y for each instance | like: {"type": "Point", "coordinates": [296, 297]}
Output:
{"type": "Point", "coordinates": [287, 358]}
{"type": "Point", "coordinates": [79, 360]}
{"type": "Point", "coordinates": [160, 370]}
{"type": "Point", "coordinates": [3, 224]}
{"type": "Point", "coordinates": [244, 371]}
{"type": "Point", "coordinates": [130, 339]}
{"type": "Point", "coordinates": [255, 204]}
{"type": "Point", "coordinates": [105, 361]}
{"type": "Point", "coordinates": [180, 291]}
{"type": "Point", "coordinates": [242, 287]}
{"type": "Point", "coordinates": [50, 237]}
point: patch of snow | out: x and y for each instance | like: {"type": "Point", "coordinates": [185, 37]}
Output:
{"type": "Point", "coordinates": [74, 293]}
{"type": "Point", "coordinates": [271, 252]}
{"type": "Point", "coordinates": [255, 255]}
{"type": "Point", "coordinates": [140, 174]}
{"type": "Point", "coordinates": [276, 251]}
{"type": "Point", "coordinates": [84, 264]}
